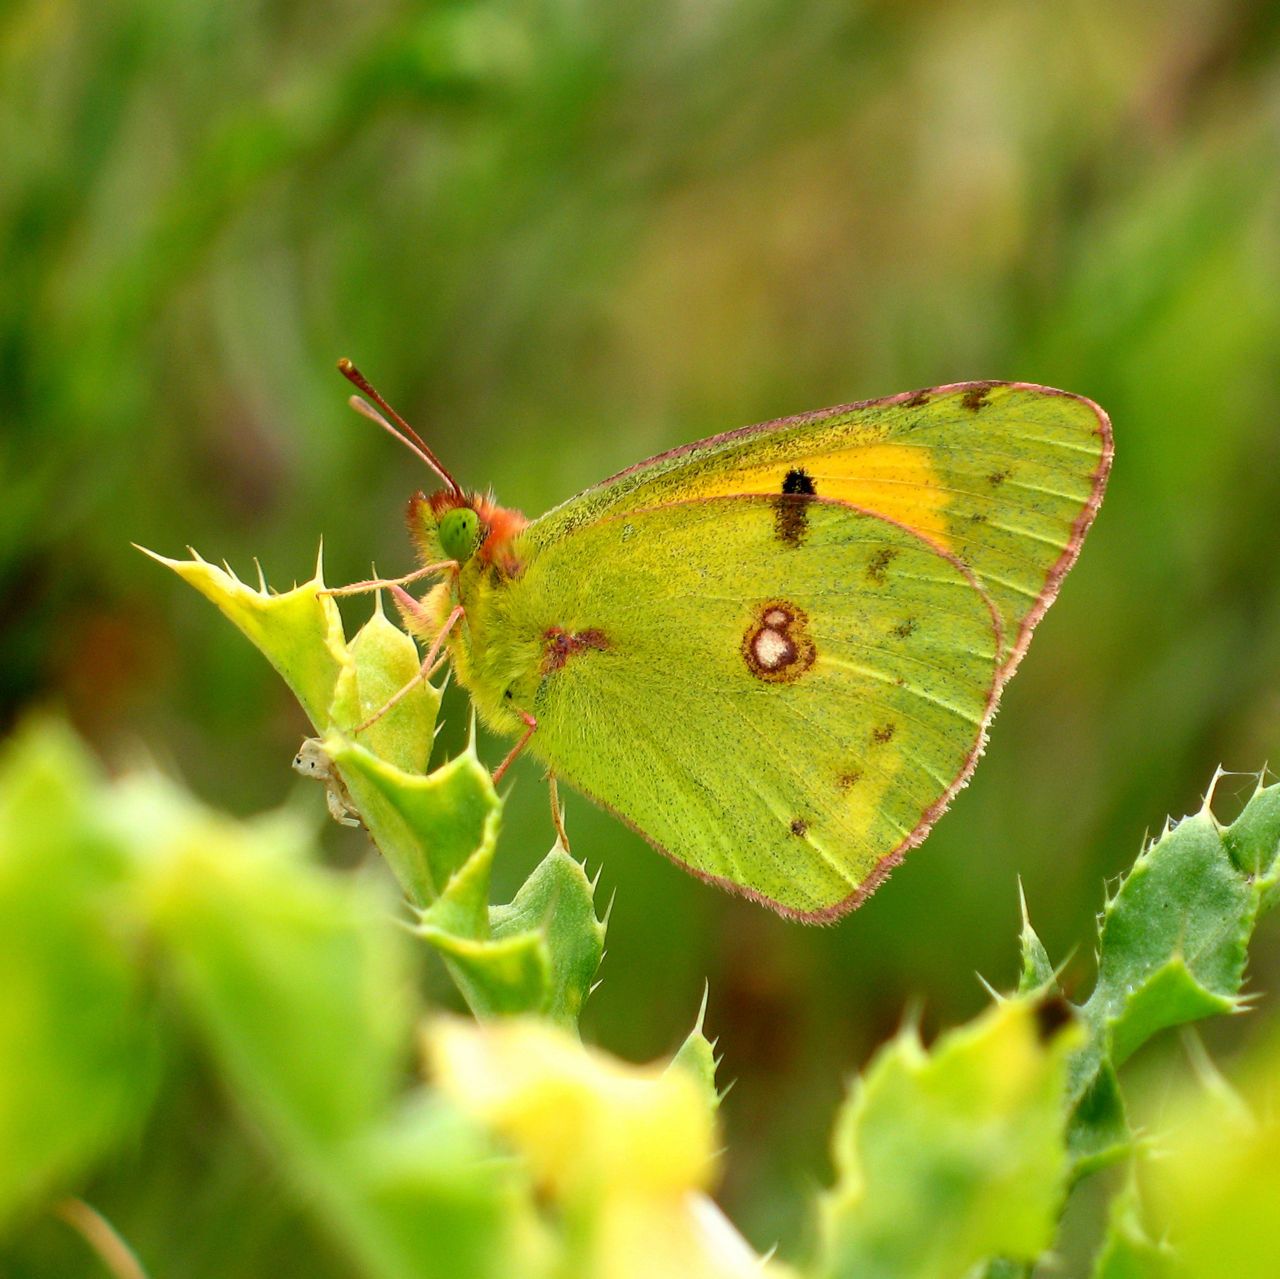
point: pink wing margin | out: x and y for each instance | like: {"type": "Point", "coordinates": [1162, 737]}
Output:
{"type": "Point", "coordinates": [1048, 593]}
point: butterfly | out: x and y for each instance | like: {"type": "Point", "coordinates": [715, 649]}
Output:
{"type": "Point", "coordinates": [775, 652]}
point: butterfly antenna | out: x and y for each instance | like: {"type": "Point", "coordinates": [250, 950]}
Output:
{"type": "Point", "coordinates": [405, 434]}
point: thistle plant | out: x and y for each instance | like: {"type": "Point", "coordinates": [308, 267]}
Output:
{"type": "Point", "coordinates": [136, 924]}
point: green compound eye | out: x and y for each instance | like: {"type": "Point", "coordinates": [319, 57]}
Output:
{"type": "Point", "coordinates": [460, 533]}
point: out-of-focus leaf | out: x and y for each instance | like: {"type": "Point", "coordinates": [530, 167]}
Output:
{"type": "Point", "coordinates": [1213, 1189]}
{"type": "Point", "coordinates": [1128, 1251]}
{"type": "Point", "coordinates": [949, 1156]}
{"type": "Point", "coordinates": [297, 980]}
{"type": "Point", "coordinates": [78, 1036]}
{"type": "Point", "coordinates": [301, 986]}
{"type": "Point", "coordinates": [585, 1122]}
{"type": "Point", "coordinates": [623, 1152]}
{"type": "Point", "coordinates": [452, 1204]}
{"type": "Point", "coordinates": [300, 983]}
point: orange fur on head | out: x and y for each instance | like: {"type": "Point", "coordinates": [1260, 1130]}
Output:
{"type": "Point", "coordinates": [501, 524]}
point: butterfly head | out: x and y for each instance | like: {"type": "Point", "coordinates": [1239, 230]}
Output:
{"type": "Point", "coordinates": [449, 525]}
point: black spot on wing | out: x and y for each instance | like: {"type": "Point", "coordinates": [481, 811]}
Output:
{"type": "Point", "coordinates": [798, 480]}
{"type": "Point", "coordinates": [799, 826]}
{"type": "Point", "coordinates": [884, 733]}
{"type": "Point", "coordinates": [918, 400]}
{"type": "Point", "coordinates": [790, 507]}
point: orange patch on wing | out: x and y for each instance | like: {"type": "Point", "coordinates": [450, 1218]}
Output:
{"type": "Point", "coordinates": [897, 481]}
{"type": "Point", "coordinates": [894, 480]}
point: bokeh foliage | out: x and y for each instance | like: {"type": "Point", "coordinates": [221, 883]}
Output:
{"type": "Point", "coordinates": [561, 237]}
{"type": "Point", "coordinates": [131, 918]}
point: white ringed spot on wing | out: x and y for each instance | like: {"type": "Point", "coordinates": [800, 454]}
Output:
{"type": "Point", "coordinates": [777, 646]}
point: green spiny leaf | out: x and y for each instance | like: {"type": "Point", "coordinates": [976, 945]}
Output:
{"type": "Point", "coordinates": [540, 953]}
{"type": "Point", "coordinates": [698, 1056]}
{"type": "Point", "coordinates": [1173, 940]}
{"type": "Point", "coordinates": [299, 631]}
{"type": "Point", "coordinates": [1098, 1135]}
{"type": "Point", "coordinates": [1172, 949]}
{"type": "Point", "coordinates": [1037, 971]}
{"type": "Point", "coordinates": [1253, 839]}
{"type": "Point", "coordinates": [557, 902]}
{"type": "Point", "coordinates": [429, 828]}
{"type": "Point", "coordinates": [967, 1138]}
{"type": "Point", "coordinates": [381, 661]}
{"type": "Point", "coordinates": [503, 977]}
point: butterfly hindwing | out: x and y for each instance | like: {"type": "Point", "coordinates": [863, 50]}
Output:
{"type": "Point", "coordinates": [780, 692]}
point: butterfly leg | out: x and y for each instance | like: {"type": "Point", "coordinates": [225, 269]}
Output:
{"type": "Point", "coordinates": [418, 619]}
{"type": "Point", "coordinates": [530, 725]}
{"type": "Point", "coordinates": [428, 667]}
{"type": "Point", "coordinates": [557, 813]}
{"type": "Point", "coordinates": [377, 583]}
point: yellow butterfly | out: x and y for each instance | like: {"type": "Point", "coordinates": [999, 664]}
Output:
{"type": "Point", "coordinates": [774, 652]}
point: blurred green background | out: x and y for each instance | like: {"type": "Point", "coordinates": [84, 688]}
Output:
{"type": "Point", "coordinates": [560, 237]}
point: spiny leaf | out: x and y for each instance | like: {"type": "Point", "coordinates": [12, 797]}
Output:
{"type": "Point", "coordinates": [299, 632]}
{"type": "Point", "coordinates": [1184, 908]}
{"type": "Point", "coordinates": [1098, 1135]}
{"type": "Point", "coordinates": [437, 831]}
{"type": "Point", "coordinates": [428, 827]}
{"type": "Point", "coordinates": [697, 1055]}
{"type": "Point", "coordinates": [1171, 949]}
{"type": "Point", "coordinates": [498, 977]}
{"type": "Point", "coordinates": [380, 663]}
{"type": "Point", "coordinates": [1037, 971]}
{"type": "Point", "coordinates": [540, 953]}
{"type": "Point", "coordinates": [1253, 839]}
{"type": "Point", "coordinates": [557, 903]}
{"type": "Point", "coordinates": [967, 1137]}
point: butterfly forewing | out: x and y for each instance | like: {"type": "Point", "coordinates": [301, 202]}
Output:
{"type": "Point", "coordinates": [1006, 477]}
{"type": "Point", "coordinates": [780, 692]}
